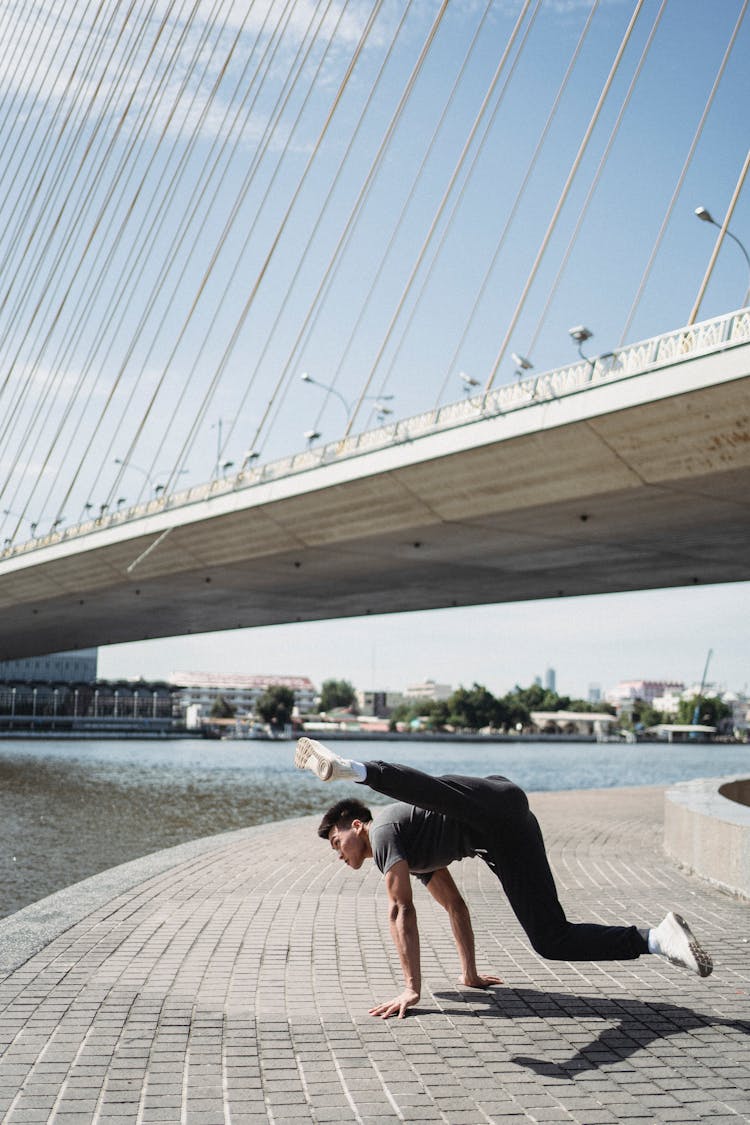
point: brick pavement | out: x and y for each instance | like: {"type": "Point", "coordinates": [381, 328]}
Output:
{"type": "Point", "coordinates": [233, 986]}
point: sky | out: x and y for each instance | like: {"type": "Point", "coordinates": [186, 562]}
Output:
{"type": "Point", "coordinates": [589, 641]}
{"type": "Point", "coordinates": [202, 203]}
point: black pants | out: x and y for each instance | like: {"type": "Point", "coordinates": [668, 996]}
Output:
{"type": "Point", "coordinates": [509, 840]}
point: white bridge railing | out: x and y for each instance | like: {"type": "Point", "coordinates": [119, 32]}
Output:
{"type": "Point", "coordinates": [710, 336]}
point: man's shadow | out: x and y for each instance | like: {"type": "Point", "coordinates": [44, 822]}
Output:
{"type": "Point", "coordinates": [637, 1024]}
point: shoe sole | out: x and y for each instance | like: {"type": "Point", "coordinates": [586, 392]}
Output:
{"type": "Point", "coordinates": [306, 756]}
{"type": "Point", "coordinates": [703, 962]}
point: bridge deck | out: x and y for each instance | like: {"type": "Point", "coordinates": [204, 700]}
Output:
{"type": "Point", "coordinates": [229, 981]}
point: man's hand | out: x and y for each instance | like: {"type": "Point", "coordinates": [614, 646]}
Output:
{"type": "Point", "coordinates": [397, 1006]}
{"type": "Point", "coordinates": [480, 980]}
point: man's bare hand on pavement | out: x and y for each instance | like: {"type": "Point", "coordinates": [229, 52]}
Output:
{"type": "Point", "coordinates": [397, 1006]}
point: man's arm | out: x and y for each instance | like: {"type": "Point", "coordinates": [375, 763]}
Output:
{"type": "Point", "coordinates": [444, 890]}
{"type": "Point", "coordinates": [403, 922]}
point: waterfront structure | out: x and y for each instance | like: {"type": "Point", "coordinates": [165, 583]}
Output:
{"type": "Point", "coordinates": [101, 706]}
{"type": "Point", "coordinates": [428, 689]}
{"type": "Point", "coordinates": [379, 704]}
{"type": "Point", "coordinates": [57, 667]}
{"type": "Point", "coordinates": [573, 722]}
{"type": "Point", "coordinates": [198, 691]}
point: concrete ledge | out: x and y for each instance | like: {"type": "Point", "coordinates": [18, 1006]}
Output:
{"type": "Point", "coordinates": [707, 830]}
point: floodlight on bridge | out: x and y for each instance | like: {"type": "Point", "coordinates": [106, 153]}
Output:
{"type": "Point", "coordinates": [521, 361]}
{"type": "Point", "coordinates": [468, 381]}
{"type": "Point", "coordinates": [311, 436]}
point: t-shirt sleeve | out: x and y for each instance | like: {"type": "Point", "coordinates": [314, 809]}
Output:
{"type": "Point", "coordinates": [387, 849]}
{"type": "Point", "coordinates": [387, 846]}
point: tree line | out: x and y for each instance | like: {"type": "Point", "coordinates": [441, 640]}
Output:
{"type": "Point", "coordinates": [476, 708]}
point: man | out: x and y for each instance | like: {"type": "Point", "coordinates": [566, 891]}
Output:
{"type": "Point", "coordinates": [442, 819]}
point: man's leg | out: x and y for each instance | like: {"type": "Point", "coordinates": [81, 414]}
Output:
{"type": "Point", "coordinates": [489, 804]}
{"type": "Point", "coordinates": [522, 867]}
{"type": "Point", "coordinates": [492, 802]}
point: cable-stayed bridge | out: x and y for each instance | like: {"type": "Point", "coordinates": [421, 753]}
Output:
{"type": "Point", "coordinates": [228, 226]}
{"type": "Point", "coordinates": [624, 473]}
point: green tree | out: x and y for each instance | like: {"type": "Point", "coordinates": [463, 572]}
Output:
{"type": "Point", "coordinates": [710, 710]}
{"type": "Point", "coordinates": [337, 693]}
{"type": "Point", "coordinates": [221, 709]}
{"type": "Point", "coordinates": [474, 708]}
{"type": "Point", "coordinates": [275, 706]}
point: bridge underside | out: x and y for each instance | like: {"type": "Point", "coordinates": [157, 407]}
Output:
{"type": "Point", "coordinates": [649, 496]}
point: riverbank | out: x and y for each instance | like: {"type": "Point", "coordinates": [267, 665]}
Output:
{"type": "Point", "coordinates": [97, 734]}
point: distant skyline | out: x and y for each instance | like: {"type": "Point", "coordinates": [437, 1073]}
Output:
{"type": "Point", "coordinates": [601, 639]}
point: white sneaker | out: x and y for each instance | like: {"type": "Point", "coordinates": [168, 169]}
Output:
{"type": "Point", "coordinates": [314, 756]}
{"type": "Point", "coordinates": [674, 940]}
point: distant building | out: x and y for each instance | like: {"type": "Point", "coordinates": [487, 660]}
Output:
{"type": "Point", "coordinates": [550, 679]}
{"type": "Point", "coordinates": [647, 690]}
{"type": "Point", "coordinates": [202, 689]}
{"type": "Point", "coordinates": [595, 693]}
{"type": "Point", "coordinates": [58, 667]}
{"type": "Point", "coordinates": [740, 706]}
{"type": "Point", "coordinates": [428, 689]}
{"type": "Point", "coordinates": [378, 703]}
{"type": "Point", "coordinates": [86, 706]}
{"type": "Point", "coordinates": [668, 703]}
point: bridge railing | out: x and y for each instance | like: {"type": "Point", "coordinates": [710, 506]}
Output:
{"type": "Point", "coordinates": [729, 330]}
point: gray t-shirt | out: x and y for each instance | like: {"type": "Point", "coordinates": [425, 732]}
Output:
{"type": "Point", "coordinates": [427, 841]}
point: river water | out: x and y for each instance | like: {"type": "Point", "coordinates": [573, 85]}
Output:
{"type": "Point", "coordinates": [71, 809]}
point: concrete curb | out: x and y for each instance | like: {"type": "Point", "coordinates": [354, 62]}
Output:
{"type": "Point", "coordinates": [708, 833]}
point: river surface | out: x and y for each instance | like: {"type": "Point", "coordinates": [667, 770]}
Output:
{"type": "Point", "coordinates": [71, 809]}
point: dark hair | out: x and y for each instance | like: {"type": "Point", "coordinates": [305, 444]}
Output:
{"type": "Point", "coordinates": [342, 814]}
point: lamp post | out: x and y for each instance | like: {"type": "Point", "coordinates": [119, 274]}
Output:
{"type": "Point", "coordinates": [580, 334]}
{"type": "Point", "coordinates": [157, 489]}
{"type": "Point", "coordinates": [377, 399]}
{"type": "Point", "coordinates": [705, 216]}
{"type": "Point", "coordinates": [522, 364]}
{"type": "Point", "coordinates": [221, 467]}
{"type": "Point", "coordinates": [468, 381]}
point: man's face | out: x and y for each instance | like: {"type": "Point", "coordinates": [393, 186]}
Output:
{"type": "Point", "coordinates": [351, 844]}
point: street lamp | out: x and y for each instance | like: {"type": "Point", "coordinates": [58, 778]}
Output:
{"type": "Point", "coordinates": [522, 364]}
{"type": "Point", "coordinates": [705, 216]}
{"type": "Point", "coordinates": [378, 399]}
{"type": "Point", "coordinates": [156, 488]}
{"type": "Point", "coordinates": [218, 466]}
{"type": "Point", "coordinates": [468, 381]}
{"type": "Point", "coordinates": [580, 334]}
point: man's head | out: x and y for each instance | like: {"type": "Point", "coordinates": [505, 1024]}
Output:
{"type": "Point", "coordinates": [346, 827]}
